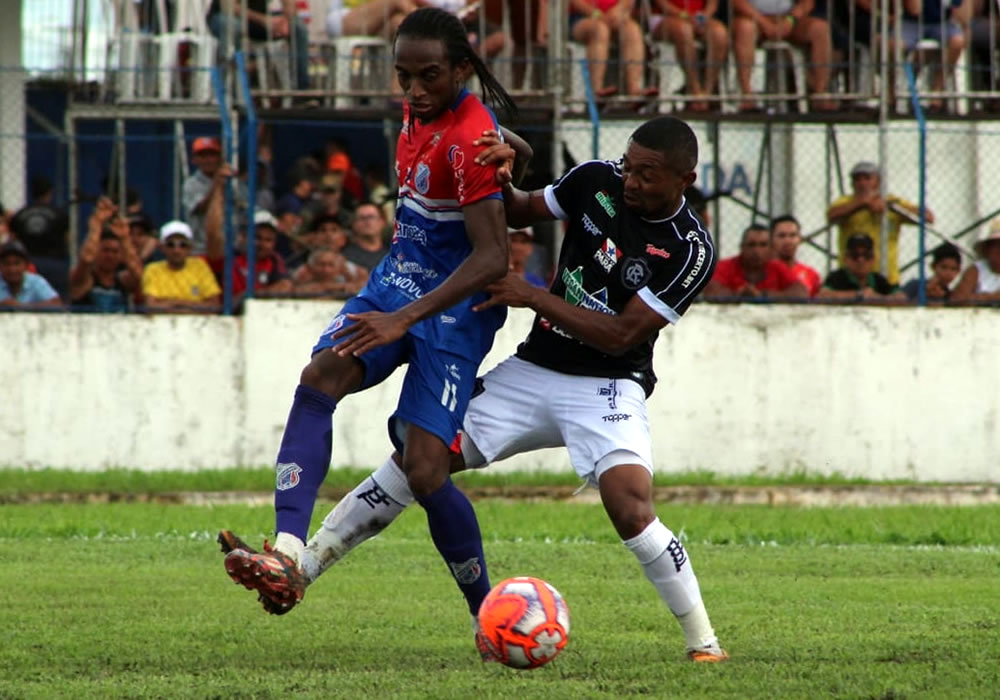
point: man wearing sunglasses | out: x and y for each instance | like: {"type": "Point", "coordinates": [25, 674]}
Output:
{"type": "Point", "coordinates": [180, 283]}
{"type": "Point", "coordinates": [857, 280]}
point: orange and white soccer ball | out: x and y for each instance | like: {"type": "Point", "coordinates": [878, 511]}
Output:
{"type": "Point", "coordinates": [524, 622]}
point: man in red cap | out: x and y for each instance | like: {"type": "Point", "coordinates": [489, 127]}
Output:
{"type": "Point", "coordinates": [206, 154]}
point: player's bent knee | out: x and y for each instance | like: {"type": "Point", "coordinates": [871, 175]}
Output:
{"type": "Point", "coordinates": [332, 374]}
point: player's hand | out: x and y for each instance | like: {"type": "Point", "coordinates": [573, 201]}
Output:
{"type": "Point", "coordinates": [513, 290]}
{"type": "Point", "coordinates": [370, 330]}
{"type": "Point", "coordinates": [497, 153]}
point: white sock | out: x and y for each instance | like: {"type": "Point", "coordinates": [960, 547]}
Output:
{"type": "Point", "coordinates": [666, 565]}
{"type": "Point", "coordinates": [361, 514]}
{"type": "Point", "coordinates": [291, 545]}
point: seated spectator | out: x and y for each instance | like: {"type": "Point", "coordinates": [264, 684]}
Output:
{"type": "Point", "coordinates": [226, 19]}
{"type": "Point", "coordinates": [332, 201]}
{"type": "Point", "coordinates": [326, 232]}
{"type": "Point", "coordinates": [754, 273]}
{"type": "Point", "coordinates": [371, 18]}
{"type": "Point", "coordinates": [343, 172]}
{"type": "Point", "coordinates": [522, 245]}
{"type": "Point", "coordinates": [300, 196]}
{"type": "Point", "coordinates": [861, 212]}
{"type": "Point", "coordinates": [42, 228]}
{"type": "Point", "coordinates": [786, 237]}
{"type": "Point", "coordinates": [684, 23]}
{"type": "Point", "coordinates": [108, 271]}
{"type": "Point", "coordinates": [984, 33]}
{"type": "Point", "coordinates": [367, 246]}
{"type": "Point", "coordinates": [946, 263]}
{"type": "Point", "coordinates": [592, 22]}
{"type": "Point", "coordinates": [270, 274]}
{"type": "Point", "coordinates": [981, 281]}
{"type": "Point", "coordinates": [19, 288]}
{"type": "Point", "coordinates": [140, 230]}
{"type": "Point", "coordinates": [327, 273]}
{"type": "Point", "coordinates": [942, 22]}
{"type": "Point", "coordinates": [782, 20]}
{"type": "Point", "coordinates": [857, 280]}
{"type": "Point", "coordinates": [180, 283]}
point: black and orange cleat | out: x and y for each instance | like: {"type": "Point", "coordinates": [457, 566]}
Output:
{"type": "Point", "coordinates": [229, 541]}
{"type": "Point", "coordinates": [273, 574]}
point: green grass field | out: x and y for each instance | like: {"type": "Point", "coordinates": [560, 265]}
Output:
{"type": "Point", "coordinates": [130, 600]}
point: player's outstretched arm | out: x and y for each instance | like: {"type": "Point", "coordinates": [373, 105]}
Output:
{"type": "Point", "coordinates": [612, 335]}
{"type": "Point", "coordinates": [522, 208]}
{"type": "Point", "coordinates": [487, 231]}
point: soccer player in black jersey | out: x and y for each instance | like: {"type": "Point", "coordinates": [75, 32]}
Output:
{"type": "Point", "coordinates": [633, 258]}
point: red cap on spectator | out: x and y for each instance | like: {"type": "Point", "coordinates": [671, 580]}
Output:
{"type": "Point", "coordinates": [206, 143]}
{"type": "Point", "coordinates": [338, 162]}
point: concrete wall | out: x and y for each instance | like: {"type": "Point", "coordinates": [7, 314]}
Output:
{"type": "Point", "coordinates": [881, 393]}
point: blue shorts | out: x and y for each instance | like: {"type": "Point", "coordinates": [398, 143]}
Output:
{"type": "Point", "coordinates": [437, 386]}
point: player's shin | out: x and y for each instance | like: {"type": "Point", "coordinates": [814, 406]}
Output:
{"type": "Point", "coordinates": [665, 563]}
{"type": "Point", "coordinates": [360, 515]}
{"type": "Point", "coordinates": [455, 531]}
{"type": "Point", "coordinates": [303, 461]}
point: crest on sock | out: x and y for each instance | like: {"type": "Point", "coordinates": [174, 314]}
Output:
{"type": "Point", "coordinates": [466, 572]}
{"type": "Point", "coordinates": [288, 476]}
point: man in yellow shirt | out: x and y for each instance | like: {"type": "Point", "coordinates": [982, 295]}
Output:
{"type": "Point", "coordinates": [180, 284]}
{"type": "Point", "coordinates": [861, 212]}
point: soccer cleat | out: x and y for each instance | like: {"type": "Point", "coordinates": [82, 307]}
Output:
{"type": "Point", "coordinates": [273, 574]}
{"type": "Point", "coordinates": [229, 541]}
{"type": "Point", "coordinates": [712, 654]}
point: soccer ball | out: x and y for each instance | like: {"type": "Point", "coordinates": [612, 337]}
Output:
{"type": "Point", "coordinates": [524, 622]}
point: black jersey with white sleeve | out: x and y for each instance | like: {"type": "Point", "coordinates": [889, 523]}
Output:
{"type": "Point", "coordinates": [610, 254]}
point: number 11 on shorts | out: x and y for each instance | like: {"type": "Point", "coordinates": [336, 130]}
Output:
{"type": "Point", "coordinates": [449, 397]}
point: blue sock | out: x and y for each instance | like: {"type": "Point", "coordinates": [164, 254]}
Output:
{"type": "Point", "coordinates": [455, 531]}
{"type": "Point", "coordinates": [303, 460]}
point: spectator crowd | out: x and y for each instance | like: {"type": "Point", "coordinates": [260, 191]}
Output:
{"type": "Point", "coordinates": [713, 42]}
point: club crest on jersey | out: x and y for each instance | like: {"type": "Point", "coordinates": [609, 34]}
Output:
{"type": "Point", "coordinates": [422, 181]}
{"type": "Point", "coordinates": [635, 272]}
{"type": "Point", "coordinates": [607, 205]}
{"type": "Point", "coordinates": [608, 255]}
{"type": "Point", "coordinates": [335, 324]}
{"type": "Point", "coordinates": [466, 572]}
{"type": "Point", "coordinates": [288, 476]}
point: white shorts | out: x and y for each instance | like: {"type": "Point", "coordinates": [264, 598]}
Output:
{"type": "Point", "coordinates": [525, 407]}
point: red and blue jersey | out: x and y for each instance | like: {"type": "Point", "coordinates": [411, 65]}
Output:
{"type": "Point", "coordinates": [437, 177]}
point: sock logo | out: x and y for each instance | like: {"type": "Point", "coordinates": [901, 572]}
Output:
{"type": "Point", "coordinates": [288, 476]}
{"type": "Point", "coordinates": [466, 572]}
{"type": "Point", "coordinates": [374, 497]}
{"type": "Point", "coordinates": [677, 553]}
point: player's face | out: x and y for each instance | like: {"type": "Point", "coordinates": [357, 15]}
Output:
{"type": "Point", "coordinates": [651, 187]}
{"type": "Point", "coordinates": [786, 240]}
{"type": "Point", "coordinates": [429, 82]}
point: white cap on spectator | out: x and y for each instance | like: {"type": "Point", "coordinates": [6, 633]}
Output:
{"type": "Point", "coordinates": [175, 228]}
{"type": "Point", "coordinates": [262, 217]}
{"type": "Point", "coordinates": [992, 234]}
{"type": "Point", "coordinates": [865, 167]}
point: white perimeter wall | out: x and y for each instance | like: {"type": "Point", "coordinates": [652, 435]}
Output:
{"type": "Point", "coordinates": [880, 393]}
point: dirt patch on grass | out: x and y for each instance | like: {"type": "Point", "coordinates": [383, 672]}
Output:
{"type": "Point", "coordinates": [800, 496]}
